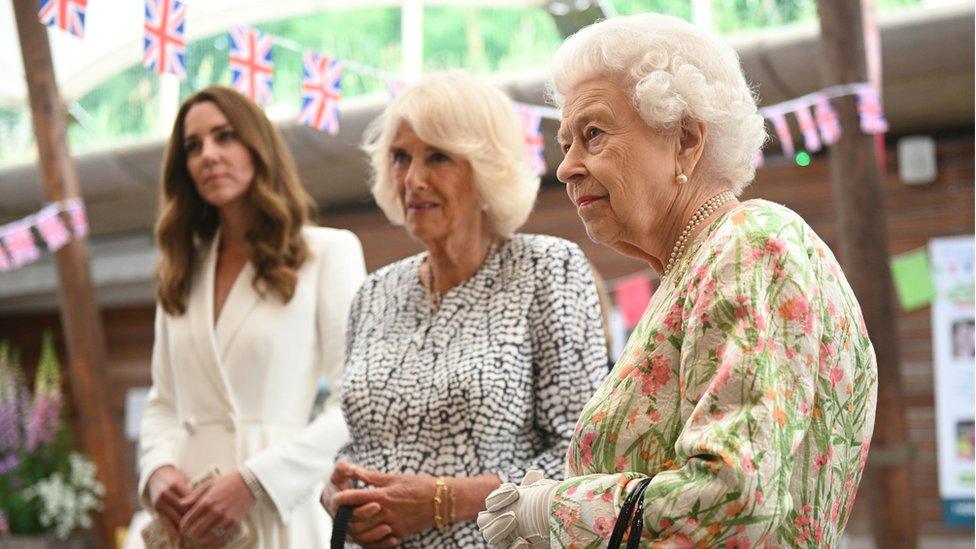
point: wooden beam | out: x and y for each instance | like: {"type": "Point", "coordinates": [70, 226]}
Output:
{"type": "Point", "coordinates": [80, 317]}
{"type": "Point", "coordinates": [860, 203]}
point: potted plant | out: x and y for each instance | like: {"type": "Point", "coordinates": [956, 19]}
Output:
{"type": "Point", "coordinates": [48, 491]}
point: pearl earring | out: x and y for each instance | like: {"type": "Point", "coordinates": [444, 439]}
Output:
{"type": "Point", "coordinates": [681, 179]}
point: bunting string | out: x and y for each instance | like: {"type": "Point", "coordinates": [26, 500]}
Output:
{"type": "Point", "coordinates": [20, 240]}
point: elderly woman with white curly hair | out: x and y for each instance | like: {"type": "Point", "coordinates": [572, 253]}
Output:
{"type": "Point", "coordinates": [741, 410]}
{"type": "Point", "coordinates": [469, 363]}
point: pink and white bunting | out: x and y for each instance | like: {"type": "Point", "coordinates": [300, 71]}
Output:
{"type": "Point", "coordinates": [873, 120]}
{"type": "Point", "coordinates": [19, 241]}
{"type": "Point", "coordinates": [4, 261]}
{"type": "Point", "coordinates": [827, 121]}
{"type": "Point", "coordinates": [51, 227]}
{"type": "Point", "coordinates": [783, 133]}
{"type": "Point", "coordinates": [79, 218]}
{"type": "Point", "coordinates": [808, 128]}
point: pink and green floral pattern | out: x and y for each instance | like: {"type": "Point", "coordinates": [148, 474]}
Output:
{"type": "Point", "coordinates": [746, 393]}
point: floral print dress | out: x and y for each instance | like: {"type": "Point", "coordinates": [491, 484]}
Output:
{"type": "Point", "coordinates": [746, 393]}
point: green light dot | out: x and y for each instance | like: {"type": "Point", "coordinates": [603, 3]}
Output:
{"type": "Point", "coordinates": [803, 159]}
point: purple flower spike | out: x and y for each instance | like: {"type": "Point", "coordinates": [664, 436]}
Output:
{"type": "Point", "coordinates": [45, 415]}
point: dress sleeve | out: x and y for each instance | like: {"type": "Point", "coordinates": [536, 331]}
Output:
{"type": "Point", "coordinates": [159, 427]}
{"type": "Point", "coordinates": [569, 354]}
{"type": "Point", "coordinates": [748, 364]}
{"type": "Point", "coordinates": [310, 456]}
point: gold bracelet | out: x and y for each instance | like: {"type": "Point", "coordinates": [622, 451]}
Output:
{"type": "Point", "coordinates": [440, 487]}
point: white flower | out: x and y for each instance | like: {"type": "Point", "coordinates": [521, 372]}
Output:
{"type": "Point", "coordinates": [66, 505]}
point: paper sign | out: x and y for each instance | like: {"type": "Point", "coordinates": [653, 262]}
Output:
{"type": "Point", "coordinates": [912, 276]}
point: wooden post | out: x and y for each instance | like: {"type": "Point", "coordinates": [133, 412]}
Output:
{"type": "Point", "coordinates": [860, 203]}
{"type": "Point", "coordinates": [79, 313]}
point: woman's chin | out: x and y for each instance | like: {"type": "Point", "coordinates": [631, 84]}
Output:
{"type": "Point", "coordinates": [599, 232]}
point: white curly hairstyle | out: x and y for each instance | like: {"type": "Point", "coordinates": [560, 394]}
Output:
{"type": "Point", "coordinates": [458, 113]}
{"type": "Point", "coordinates": [677, 74]}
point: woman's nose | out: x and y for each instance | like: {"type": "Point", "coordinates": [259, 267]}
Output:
{"type": "Point", "coordinates": [571, 167]}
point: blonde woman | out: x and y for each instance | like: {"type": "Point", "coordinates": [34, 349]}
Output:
{"type": "Point", "coordinates": [468, 363]}
{"type": "Point", "coordinates": [252, 311]}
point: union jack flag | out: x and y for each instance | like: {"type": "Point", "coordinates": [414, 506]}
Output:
{"type": "Point", "coordinates": [250, 63]}
{"type": "Point", "coordinates": [164, 46]}
{"type": "Point", "coordinates": [532, 133]}
{"type": "Point", "coordinates": [873, 120]}
{"type": "Point", "coordinates": [783, 132]}
{"type": "Point", "coordinates": [51, 227]}
{"type": "Point", "coordinates": [19, 241]}
{"type": "Point", "coordinates": [809, 129]}
{"type": "Point", "coordinates": [67, 15]}
{"type": "Point", "coordinates": [321, 92]}
{"type": "Point", "coordinates": [827, 121]}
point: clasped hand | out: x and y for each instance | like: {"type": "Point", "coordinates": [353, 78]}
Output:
{"type": "Point", "coordinates": [391, 508]}
{"type": "Point", "coordinates": [208, 515]}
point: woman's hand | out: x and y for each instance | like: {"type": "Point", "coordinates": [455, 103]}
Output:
{"type": "Point", "coordinates": [216, 510]}
{"type": "Point", "coordinates": [167, 486]}
{"type": "Point", "coordinates": [396, 507]}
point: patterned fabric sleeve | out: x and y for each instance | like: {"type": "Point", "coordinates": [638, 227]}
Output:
{"type": "Point", "coordinates": [749, 357]}
{"type": "Point", "coordinates": [569, 353]}
{"type": "Point", "coordinates": [352, 328]}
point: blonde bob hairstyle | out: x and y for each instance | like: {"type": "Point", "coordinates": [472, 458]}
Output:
{"type": "Point", "coordinates": [459, 114]}
{"type": "Point", "coordinates": [676, 74]}
{"type": "Point", "coordinates": [276, 193]}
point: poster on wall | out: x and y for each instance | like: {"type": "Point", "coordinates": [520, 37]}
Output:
{"type": "Point", "coordinates": [954, 347]}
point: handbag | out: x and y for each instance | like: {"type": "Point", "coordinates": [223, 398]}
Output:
{"type": "Point", "coordinates": [156, 536]}
{"type": "Point", "coordinates": [628, 518]}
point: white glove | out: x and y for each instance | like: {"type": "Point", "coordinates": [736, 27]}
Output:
{"type": "Point", "coordinates": [517, 517]}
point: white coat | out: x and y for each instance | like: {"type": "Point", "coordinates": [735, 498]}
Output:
{"type": "Point", "coordinates": [240, 393]}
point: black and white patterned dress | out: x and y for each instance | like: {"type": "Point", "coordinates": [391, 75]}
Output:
{"type": "Point", "coordinates": [492, 382]}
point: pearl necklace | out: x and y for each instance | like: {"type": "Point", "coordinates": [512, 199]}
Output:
{"type": "Point", "coordinates": [703, 212]}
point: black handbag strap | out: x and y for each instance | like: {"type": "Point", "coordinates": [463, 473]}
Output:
{"type": "Point", "coordinates": [635, 500]}
{"type": "Point", "coordinates": [637, 526]}
{"type": "Point", "coordinates": [340, 526]}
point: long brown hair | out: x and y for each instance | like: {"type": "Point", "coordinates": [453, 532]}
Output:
{"type": "Point", "coordinates": [186, 222]}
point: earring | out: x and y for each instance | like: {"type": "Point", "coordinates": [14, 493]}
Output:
{"type": "Point", "coordinates": [681, 179]}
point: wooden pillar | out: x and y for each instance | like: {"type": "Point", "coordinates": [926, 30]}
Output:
{"type": "Point", "coordinates": [79, 313]}
{"type": "Point", "coordinates": [860, 203]}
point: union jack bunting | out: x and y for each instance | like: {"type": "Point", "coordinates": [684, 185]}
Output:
{"type": "Point", "coordinates": [827, 121]}
{"type": "Point", "coordinates": [532, 133]}
{"type": "Point", "coordinates": [19, 241]}
{"type": "Point", "coordinates": [809, 129]}
{"type": "Point", "coordinates": [52, 230]}
{"type": "Point", "coordinates": [251, 68]}
{"type": "Point", "coordinates": [79, 219]}
{"type": "Point", "coordinates": [67, 15]}
{"type": "Point", "coordinates": [783, 132]}
{"type": "Point", "coordinates": [869, 108]}
{"type": "Point", "coordinates": [164, 45]}
{"type": "Point", "coordinates": [321, 92]}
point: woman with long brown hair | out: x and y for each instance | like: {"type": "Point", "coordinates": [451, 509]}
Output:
{"type": "Point", "coordinates": [252, 311]}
